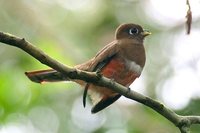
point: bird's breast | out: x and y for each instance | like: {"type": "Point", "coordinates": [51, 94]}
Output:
{"type": "Point", "coordinates": [122, 71]}
{"type": "Point", "coordinates": [133, 66]}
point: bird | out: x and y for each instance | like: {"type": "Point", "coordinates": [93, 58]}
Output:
{"type": "Point", "coordinates": [122, 60]}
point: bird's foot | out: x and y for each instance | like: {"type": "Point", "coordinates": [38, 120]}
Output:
{"type": "Point", "coordinates": [128, 91]}
{"type": "Point", "coordinates": [99, 74]}
{"type": "Point", "coordinates": [112, 81]}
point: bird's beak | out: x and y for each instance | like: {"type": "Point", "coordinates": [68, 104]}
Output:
{"type": "Point", "coordinates": [145, 33]}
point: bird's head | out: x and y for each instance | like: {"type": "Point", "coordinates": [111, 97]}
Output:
{"type": "Point", "coordinates": [131, 31]}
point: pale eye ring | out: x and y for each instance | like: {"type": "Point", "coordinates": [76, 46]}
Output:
{"type": "Point", "coordinates": [133, 31]}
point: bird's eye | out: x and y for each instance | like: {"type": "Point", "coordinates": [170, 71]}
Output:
{"type": "Point", "coordinates": [133, 31]}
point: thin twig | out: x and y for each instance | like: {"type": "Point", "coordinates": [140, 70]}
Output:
{"type": "Point", "coordinates": [182, 122]}
{"type": "Point", "coordinates": [188, 18]}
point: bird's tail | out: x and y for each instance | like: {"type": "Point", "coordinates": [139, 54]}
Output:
{"type": "Point", "coordinates": [48, 75]}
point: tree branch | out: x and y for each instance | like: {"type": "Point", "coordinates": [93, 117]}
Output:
{"type": "Point", "coordinates": [182, 122]}
{"type": "Point", "coordinates": [188, 18]}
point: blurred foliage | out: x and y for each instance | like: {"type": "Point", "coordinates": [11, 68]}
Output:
{"type": "Point", "coordinates": [72, 32]}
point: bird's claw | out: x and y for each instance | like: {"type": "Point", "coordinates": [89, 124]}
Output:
{"type": "Point", "coordinates": [128, 90]}
{"type": "Point", "coordinates": [112, 81]}
{"type": "Point", "coordinates": [99, 74]}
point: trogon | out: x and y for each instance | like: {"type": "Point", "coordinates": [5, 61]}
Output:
{"type": "Point", "coordinates": [122, 60]}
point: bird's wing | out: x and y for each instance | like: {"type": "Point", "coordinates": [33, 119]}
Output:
{"type": "Point", "coordinates": [103, 55]}
{"type": "Point", "coordinates": [102, 58]}
{"type": "Point", "coordinates": [98, 67]}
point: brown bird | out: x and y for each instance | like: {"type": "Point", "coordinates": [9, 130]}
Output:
{"type": "Point", "coordinates": [122, 60]}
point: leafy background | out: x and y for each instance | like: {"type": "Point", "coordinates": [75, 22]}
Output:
{"type": "Point", "coordinates": [72, 31]}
